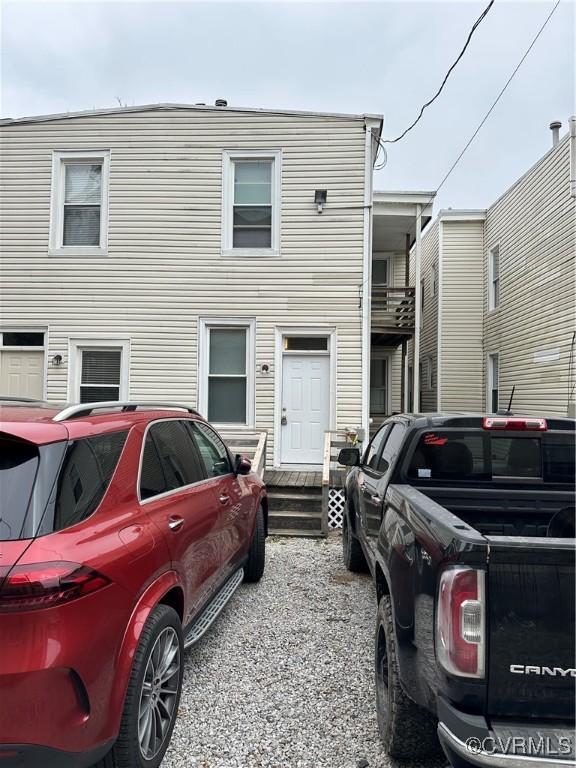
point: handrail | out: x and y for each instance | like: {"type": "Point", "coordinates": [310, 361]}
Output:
{"type": "Point", "coordinates": [85, 409]}
{"type": "Point", "coordinates": [259, 461]}
{"type": "Point", "coordinates": [327, 458]}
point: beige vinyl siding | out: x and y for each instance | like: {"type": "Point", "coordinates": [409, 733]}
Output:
{"type": "Point", "coordinates": [534, 225]}
{"type": "Point", "coordinates": [429, 329]}
{"type": "Point", "coordinates": [164, 268]}
{"type": "Point", "coordinates": [461, 315]}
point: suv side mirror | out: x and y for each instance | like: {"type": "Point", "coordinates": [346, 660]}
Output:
{"type": "Point", "coordinates": [349, 457]}
{"type": "Point", "coordinates": [242, 465]}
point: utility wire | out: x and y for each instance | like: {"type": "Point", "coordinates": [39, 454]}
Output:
{"type": "Point", "coordinates": [439, 91]}
{"type": "Point", "coordinates": [486, 116]}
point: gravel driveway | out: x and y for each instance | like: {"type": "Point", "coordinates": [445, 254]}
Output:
{"type": "Point", "coordinates": [284, 678]}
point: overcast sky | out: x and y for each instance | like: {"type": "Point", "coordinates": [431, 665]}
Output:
{"type": "Point", "coordinates": [381, 57]}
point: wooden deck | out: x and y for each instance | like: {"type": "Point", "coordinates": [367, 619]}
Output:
{"type": "Point", "coordinates": [290, 478]}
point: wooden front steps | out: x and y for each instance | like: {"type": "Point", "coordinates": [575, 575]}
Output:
{"type": "Point", "coordinates": [294, 503]}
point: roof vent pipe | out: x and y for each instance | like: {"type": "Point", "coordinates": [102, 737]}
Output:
{"type": "Point", "coordinates": [220, 103]}
{"type": "Point", "coordinates": [555, 128]}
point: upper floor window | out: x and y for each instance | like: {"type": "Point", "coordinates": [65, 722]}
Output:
{"type": "Point", "coordinates": [494, 277]}
{"type": "Point", "coordinates": [251, 200]}
{"type": "Point", "coordinates": [79, 215]}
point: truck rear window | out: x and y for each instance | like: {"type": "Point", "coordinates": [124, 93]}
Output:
{"type": "Point", "coordinates": [460, 455]}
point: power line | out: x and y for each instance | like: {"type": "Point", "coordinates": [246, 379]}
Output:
{"type": "Point", "coordinates": [439, 91]}
{"type": "Point", "coordinates": [488, 113]}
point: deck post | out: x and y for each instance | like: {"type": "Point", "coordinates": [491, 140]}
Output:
{"type": "Point", "coordinates": [326, 481]}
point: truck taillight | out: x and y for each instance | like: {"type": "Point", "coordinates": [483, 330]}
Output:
{"type": "Point", "coordinates": [460, 622]}
{"type": "Point", "coordinates": [514, 423]}
{"type": "Point", "coordinates": [44, 585]}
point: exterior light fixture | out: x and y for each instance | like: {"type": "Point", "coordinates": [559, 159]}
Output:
{"type": "Point", "coordinates": [56, 361]}
{"type": "Point", "coordinates": [320, 196]}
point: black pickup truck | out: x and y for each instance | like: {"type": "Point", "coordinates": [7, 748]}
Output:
{"type": "Point", "coordinates": [467, 526]}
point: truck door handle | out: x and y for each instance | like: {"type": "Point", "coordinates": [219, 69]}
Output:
{"type": "Point", "coordinates": [376, 499]}
{"type": "Point", "coordinates": [175, 523]}
{"type": "Point", "coordinates": [224, 499]}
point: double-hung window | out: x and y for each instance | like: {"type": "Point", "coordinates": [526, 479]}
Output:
{"type": "Point", "coordinates": [79, 216]}
{"type": "Point", "coordinates": [99, 370]}
{"type": "Point", "coordinates": [251, 203]}
{"type": "Point", "coordinates": [494, 277]}
{"type": "Point", "coordinates": [226, 375]}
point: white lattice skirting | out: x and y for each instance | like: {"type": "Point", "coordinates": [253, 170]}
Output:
{"type": "Point", "coordinates": [335, 508]}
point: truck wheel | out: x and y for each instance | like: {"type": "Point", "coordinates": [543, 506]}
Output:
{"type": "Point", "coordinates": [152, 696]}
{"type": "Point", "coordinates": [354, 559]}
{"type": "Point", "coordinates": [254, 567]}
{"type": "Point", "coordinates": [408, 732]}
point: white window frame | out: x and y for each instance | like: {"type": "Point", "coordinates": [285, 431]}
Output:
{"type": "Point", "coordinates": [59, 161]}
{"type": "Point", "coordinates": [378, 256]}
{"type": "Point", "coordinates": [492, 304]}
{"type": "Point", "coordinates": [429, 372]}
{"type": "Point", "coordinates": [229, 157]}
{"type": "Point", "coordinates": [433, 280]}
{"type": "Point", "coordinates": [490, 381]}
{"type": "Point", "coordinates": [75, 349]}
{"type": "Point", "coordinates": [206, 324]}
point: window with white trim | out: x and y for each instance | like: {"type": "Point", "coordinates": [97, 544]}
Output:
{"type": "Point", "coordinates": [493, 382]}
{"type": "Point", "coordinates": [227, 378]}
{"type": "Point", "coordinates": [433, 280]}
{"type": "Point", "coordinates": [494, 277]}
{"type": "Point", "coordinates": [99, 370]}
{"type": "Point", "coordinates": [79, 216]}
{"type": "Point", "coordinates": [251, 203]}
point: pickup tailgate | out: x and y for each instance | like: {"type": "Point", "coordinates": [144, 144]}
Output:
{"type": "Point", "coordinates": [531, 648]}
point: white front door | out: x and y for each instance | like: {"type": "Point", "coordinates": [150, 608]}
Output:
{"type": "Point", "coordinates": [305, 408]}
{"type": "Point", "coordinates": [22, 374]}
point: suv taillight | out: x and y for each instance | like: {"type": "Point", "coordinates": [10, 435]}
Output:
{"type": "Point", "coordinates": [43, 585]}
{"type": "Point", "coordinates": [460, 622]}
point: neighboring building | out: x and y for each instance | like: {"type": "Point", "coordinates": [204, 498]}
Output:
{"type": "Point", "coordinates": [499, 293]}
{"type": "Point", "coordinates": [184, 253]}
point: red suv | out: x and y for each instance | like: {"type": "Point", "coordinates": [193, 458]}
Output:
{"type": "Point", "coordinates": [124, 529]}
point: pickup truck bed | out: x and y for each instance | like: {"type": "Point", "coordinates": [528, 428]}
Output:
{"type": "Point", "coordinates": [479, 576]}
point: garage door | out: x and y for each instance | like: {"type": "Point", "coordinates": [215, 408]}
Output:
{"type": "Point", "coordinates": [22, 374]}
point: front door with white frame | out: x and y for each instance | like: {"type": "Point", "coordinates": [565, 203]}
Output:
{"type": "Point", "coordinates": [305, 405]}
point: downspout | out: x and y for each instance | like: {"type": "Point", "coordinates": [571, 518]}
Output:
{"type": "Point", "coordinates": [367, 274]}
{"type": "Point", "coordinates": [572, 122]}
{"type": "Point", "coordinates": [439, 321]}
{"type": "Point", "coordinates": [418, 314]}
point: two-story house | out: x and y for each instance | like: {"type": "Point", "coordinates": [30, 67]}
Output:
{"type": "Point", "coordinates": [498, 296]}
{"type": "Point", "coordinates": [209, 255]}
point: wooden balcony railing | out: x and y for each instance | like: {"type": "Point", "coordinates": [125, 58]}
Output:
{"type": "Point", "coordinates": [393, 310]}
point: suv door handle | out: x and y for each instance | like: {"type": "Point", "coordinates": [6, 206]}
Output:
{"type": "Point", "coordinates": [224, 499]}
{"type": "Point", "coordinates": [175, 523]}
{"type": "Point", "coordinates": [376, 499]}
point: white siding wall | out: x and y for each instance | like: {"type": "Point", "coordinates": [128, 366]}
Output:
{"type": "Point", "coordinates": [534, 224]}
{"type": "Point", "coordinates": [461, 315]}
{"type": "Point", "coordinates": [429, 329]}
{"type": "Point", "coordinates": [164, 269]}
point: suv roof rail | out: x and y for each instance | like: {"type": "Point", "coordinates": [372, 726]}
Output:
{"type": "Point", "coordinates": [85, 409]}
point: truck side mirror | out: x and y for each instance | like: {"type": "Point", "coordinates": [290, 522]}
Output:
{"type": "Point", "coordinates": [349, 457]}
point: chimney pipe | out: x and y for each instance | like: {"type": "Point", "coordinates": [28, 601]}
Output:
{"type": "Point", "coordinates": [220, 103]}
{"type": "Point", "coordinates": [555, 128]}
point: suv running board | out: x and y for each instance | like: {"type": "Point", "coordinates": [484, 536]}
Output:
{"type": "Point", "coordinates": [210, 613]}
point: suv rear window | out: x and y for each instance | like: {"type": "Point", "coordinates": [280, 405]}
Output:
{"type": "Point", "coordinates": [88, 467]}
{"type": "Point", "coordinates": [49, 487]}
{"type": "Point", "coordinates": [460, 455]}
{"type": "Point", "coordinates": [18, 467]}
